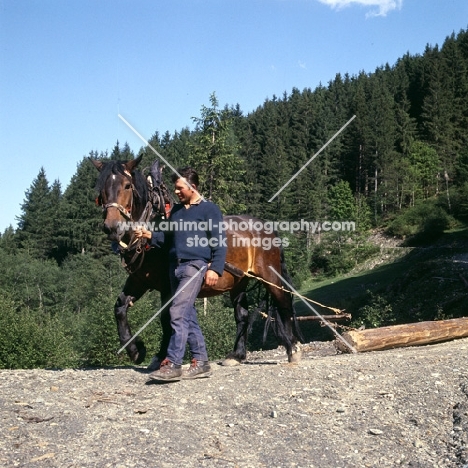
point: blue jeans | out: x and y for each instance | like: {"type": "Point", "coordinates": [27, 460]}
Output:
{"type": "Point", "coordinates": [185, 327]}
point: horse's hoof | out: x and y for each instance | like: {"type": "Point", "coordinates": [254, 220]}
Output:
{"type": "Point", "coordinates": [296, 357]}
{"type": "Point", "coordinates": [296, 354]}
{"type": "Point", "coordinates": [230, 362]}
{"type": "Point", "coordinates": [140, 355]}
{"type": "Point", "coordinates": [155, 364]}
{"type": "Point", "coordinates": [139, 359]}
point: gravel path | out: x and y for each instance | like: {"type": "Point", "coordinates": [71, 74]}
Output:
{"type": "Point", "coordinates": [403, 407]}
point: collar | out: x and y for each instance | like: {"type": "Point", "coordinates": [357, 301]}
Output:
{"type": "Point", "coordinates": [196, 202]}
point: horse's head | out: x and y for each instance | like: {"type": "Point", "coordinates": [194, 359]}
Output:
{"type": "Point", "coordinates": [122, 195]}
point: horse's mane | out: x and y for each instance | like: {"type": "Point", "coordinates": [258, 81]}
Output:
{"type": "Point", "coordinates": [117, 167]}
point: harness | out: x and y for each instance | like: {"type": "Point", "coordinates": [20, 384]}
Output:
{"type": "Point", "coordinates": [158, 205]}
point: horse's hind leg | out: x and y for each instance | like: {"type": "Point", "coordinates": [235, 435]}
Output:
{"type": "Point", "coordinates": [241, 314]}
{"type": "Point", "coordinates": [286, 327]}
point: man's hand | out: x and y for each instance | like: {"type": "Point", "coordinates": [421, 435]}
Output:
{"type": "Point", "coordinates": [142, 232]}
{"type": "Point", "coordinates": [211, 278]}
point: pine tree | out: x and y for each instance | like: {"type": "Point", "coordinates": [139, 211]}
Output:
{"type": "Point", "coordinates": [276, 167]}
{"type": "Point", "coordinates": [38, 222]}
{"type": "Point", "coordinates": [342, 203]}
{"type": "Point", "coordinates": [81, 223]}
{"type": "Point", "coordinates": [456, 84]}
{"type": "Point", "coordinates": [252, 154]}
{"type": "Point", "coordinates": [362, 135]}
{"type": "Point", "coordinates": [424, 171]}
{"type": "Point", "coordinates": [177, 151]}
{"type": "Point", "coordinates": [8, 242]}
{"type": "Point", "coordinates": [124, 154]}
{"type": "Point", "coordinates": [436, 111]}
{"type": "Point", "coordinates": [406, 125]}
{"type": "Point", "coordinates": [300, 120]}
{"type": "Point", "coordinates": [215, 156]}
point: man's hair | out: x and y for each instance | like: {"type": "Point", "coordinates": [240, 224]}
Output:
{"type": "Point", "coordinates": [190, 174]}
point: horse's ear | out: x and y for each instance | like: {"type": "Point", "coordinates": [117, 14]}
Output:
{"type": "Point", "coordinates": [97, 164]}
{"type": "Point", "coordinates": [131, 165]}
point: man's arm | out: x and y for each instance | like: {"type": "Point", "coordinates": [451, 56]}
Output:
{"type": "Point", "coordinates": [219, 247]}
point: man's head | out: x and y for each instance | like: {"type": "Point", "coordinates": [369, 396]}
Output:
{"type": "Point", "coordinates": [186, 187]}
{"type": "Point", "coordinates": [187, 173]}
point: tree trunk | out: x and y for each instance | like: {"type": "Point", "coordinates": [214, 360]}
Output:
{"type": "Point", "coordinates": [411, 334]}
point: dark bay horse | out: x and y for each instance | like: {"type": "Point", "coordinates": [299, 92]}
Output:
{"type": "Point", "coordinates": [123, 195]}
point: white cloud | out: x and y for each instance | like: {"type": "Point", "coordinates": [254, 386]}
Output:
{"type": "Point", "coordinates": [302, 64]}
{"type": "Point", "coordinates": [383, 6]}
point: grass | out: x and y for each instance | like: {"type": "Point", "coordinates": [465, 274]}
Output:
{"type": "Point", "coordinates": [424, 283]}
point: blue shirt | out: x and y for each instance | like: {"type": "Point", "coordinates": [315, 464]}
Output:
{"type": "Point", "coordinates": [194, 233]}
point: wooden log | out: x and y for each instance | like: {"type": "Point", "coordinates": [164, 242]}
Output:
{"type": "Point", "coordinates": [411, 334]}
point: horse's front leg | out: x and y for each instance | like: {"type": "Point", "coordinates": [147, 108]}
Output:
{"type": "Point", "coordinates": [135, 349]}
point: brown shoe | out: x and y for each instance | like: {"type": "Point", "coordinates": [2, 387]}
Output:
{"type": "Point", "coordinates": [197, 370]}
{"type": "Point", "coordinates": [168, 371]}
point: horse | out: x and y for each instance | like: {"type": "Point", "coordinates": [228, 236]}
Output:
{"type": "Point", "coordinates": [123, 194]}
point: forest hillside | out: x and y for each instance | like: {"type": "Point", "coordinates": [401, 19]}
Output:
{"type": "Point", "coordinates": [398, 172]}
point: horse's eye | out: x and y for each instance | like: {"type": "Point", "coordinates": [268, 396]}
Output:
{"type": "Point", "coordinates": [128, 186]}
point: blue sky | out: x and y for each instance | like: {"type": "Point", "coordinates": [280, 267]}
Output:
{"type": "Point", "coordinates": [68, 68]}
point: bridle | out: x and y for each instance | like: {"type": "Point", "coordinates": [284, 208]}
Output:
{"type": "Point", "coordinates": [125, 213]}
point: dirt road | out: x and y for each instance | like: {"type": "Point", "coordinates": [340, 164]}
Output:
{"type": "Point", "coordinates": [403, 407]}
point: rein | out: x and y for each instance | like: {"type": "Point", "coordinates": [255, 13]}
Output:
{"type": "Point", "coordinates": [139, 245]}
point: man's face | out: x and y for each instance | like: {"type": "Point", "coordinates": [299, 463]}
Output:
{"type": "Point", "coordinates": [182, 190]}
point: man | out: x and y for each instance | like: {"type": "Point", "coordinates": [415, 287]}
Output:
{"type": "Point", "coordinates": [197, 253]}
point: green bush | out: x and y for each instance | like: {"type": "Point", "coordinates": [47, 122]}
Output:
{"type": "Point", "coordinates": [296, 256]}
{"type": "Point", "coordinates": [95, 334]}
{"type": "Point", "coordinates": [422, 223]}
{"type": "Point", "coordinates": [376, 313]}
{"type": "Point", "coordinates": [218, 326]}
{"type": "Point", "coordinates": [459, 202]}
{"type": "Point", "coordinates": [337, 254]}
{"type": "Point", "coordinates": [95, 331]}
{"type": "Point", "coordinates": [330, 259]}
{"type": "Point", "coordinates": [32, 339]}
